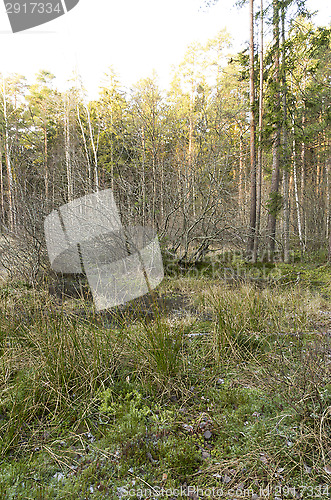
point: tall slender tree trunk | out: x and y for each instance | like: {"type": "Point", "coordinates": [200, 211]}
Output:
{"type": "Point", "coordinates": [46, 162]}
{"type": "Point", "coordinates": [296, 191]}
{"type": "Point", "coordinates": [319, 166]}
{"type": "Point", "coordinates": [112, 148]}
{"type": "Point", "coordinates": [241, 171]}
{"type": "Point", "coordinates": [327, 179]}
{"type": "Point", "coordinates": [252, 214]}
{"type": "Point", "coordinates": [190, 157]}
{"type": "Point", "coordinates": [94, 149]}
{"type": "Point", "coordinates": [162, 190]}
{"type": "Point", "coordinates": [259, 156]}
{"type": "Point", "coordinates": [328, 232]}
{"type": "Point", "coordinates": [44, 119]}
{"type": "Point", "coordinates": [328, 198]}
{"type": "Point", "coordinates": [10, 180]}
{"type": "Point", "coordinates": [286, 166]}
{"type": "Point", "coordinates": [2, 192]}
{"type": "Point", "coordinates": [143, 187]}
{"type": "Point", "coordinates": [303, 183]}
{"type": "Point", "coordinates": [89, 169]}
{"type": "Point", "coordinates": [274, 189]}
{"type": "Point", "coordinates": [154, 186]}
{"type": "Point", "coordinates": [70, 187]}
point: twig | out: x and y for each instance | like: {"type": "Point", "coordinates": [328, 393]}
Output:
{"type": "Point", "coordinates": [143, 481]}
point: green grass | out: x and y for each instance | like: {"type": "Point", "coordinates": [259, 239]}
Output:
{"type": "Point", "coordinates": [237, 395]}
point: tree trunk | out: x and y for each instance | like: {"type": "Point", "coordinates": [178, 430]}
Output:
{"type": "Point", "coordinates": [274, 189]}
{"type": "Point", "coordinates": [241, 169]}
{"type": "Point", "coordinates": [286, 166]}
{"type": "Point", "coordinates": [143, 176]}
{"type": "Point", "coordinates": [44, 117]}
{"type": "Point", "coordinates": [328, 232]}
{"type": "Point", "coordinates": [296, 191]}
{"type": "Point", "coordinates": [259, 156]}
{"type": "Point", "coordinates": [190, 156]}
{"type": "Point", "coordinates": [303, 183]}
{"type": "Point", "coordinates": [327, 178]}
{"type": "Point", "coordinates": [70, 188]}
{"type": "Point", "coordinates": [89, 170]}
{"type": "Point", "coordinates": [252, 215]}
{"type": "Point", "coordinates": [328, 207]}
{"type": "Point", "coordinates": [2, 192]}
{"type": "Point", "coordinates": [96, 174]}
{"type": "Point", "coordinates": [10, 181]}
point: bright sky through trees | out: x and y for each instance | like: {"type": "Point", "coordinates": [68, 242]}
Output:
{"type": "Point", "coordinates": [133, 36]}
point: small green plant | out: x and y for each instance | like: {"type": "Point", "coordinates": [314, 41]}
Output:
{"type": "Point", "coordinates": [181, 457]}
{"type": "Point", "coordinates": [127, 412]}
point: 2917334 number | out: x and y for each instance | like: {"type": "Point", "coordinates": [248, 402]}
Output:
{"type": "Point", "coordinates": [33, 8]}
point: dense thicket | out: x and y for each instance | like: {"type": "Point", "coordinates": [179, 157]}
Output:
{"type": "Point", "coordinates": [180, 160]}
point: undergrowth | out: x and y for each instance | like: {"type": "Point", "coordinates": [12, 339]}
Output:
{"type": "Point", "coordinates": [235, 394]}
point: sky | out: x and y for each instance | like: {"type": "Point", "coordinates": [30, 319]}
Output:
{"type": "Point", "coordinates": [134, 37]}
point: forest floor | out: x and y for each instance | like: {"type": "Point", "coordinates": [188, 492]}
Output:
{"type": "Point", "coordinates": [219, 387]}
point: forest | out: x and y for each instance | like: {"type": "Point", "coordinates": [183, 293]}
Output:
{"type": "Point", "coordinates": [218, 384]}
{"type": "Point", "coordinates": [235, 153]}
